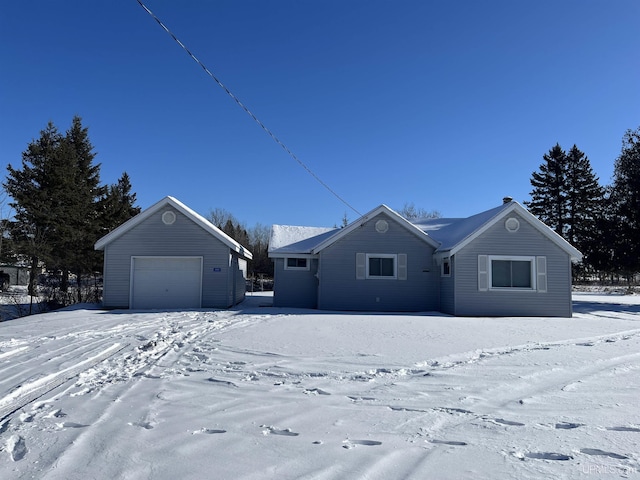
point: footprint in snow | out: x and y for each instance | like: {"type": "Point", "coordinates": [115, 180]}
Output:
{"type": "Point", "coordinates": [315, 391]}
{"type": "Point", "coordinates": [567, 425]}
{"type": "Point", "coordinates": [222, 382]}
{"type": "Point", "coordinates": [70, 425]}
{"type": "Point", "coordinates": [357, 399]}
{"type": "Point", "coordinates": [56, 414]}
{"type": "Point", "coordinates": [544, 456]}
{"type": "Point", "coordinates": [354, 443]}
{"type": "Point", "coordinates": [145, 425]}
{"type": "Point", "coordinates": [448, 442]}
{"type": "Point", "coordinates": [26, 417]}
{"type": "Point", "coordinates": [208, 431]}
{"type": "Point", "coordinates": [623, 429]}
{"type": "Point", "coordinates": [596, 451]}
{"type": "Point", "coordinates": [510, 423]}
{"type": "Point", "coordinates": [276, 431]}
{"type": "Point", "coordinates": [16, 447]}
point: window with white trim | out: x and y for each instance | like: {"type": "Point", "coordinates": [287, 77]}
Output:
{"type": "Point", "coordinates": [502, 272]}
{"type": "Point", "coordinates": [381, 265]}
{"type": "Point", "coordinates": [296, 263]}
{"type": "Point", "coordinates": [512, 272]}
{"type": "Point", "coordinates": [385, 266]}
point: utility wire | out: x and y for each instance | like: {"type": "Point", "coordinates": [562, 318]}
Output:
{"type": "Point", "coordinates": [241, 105]}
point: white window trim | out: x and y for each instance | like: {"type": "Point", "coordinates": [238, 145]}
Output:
{"type": "Point", "coordinates": [394, 256]}
{"type": "Point", "coordinates": [517, 258]}
{"type": "Point", "coordinates": [307, 267]}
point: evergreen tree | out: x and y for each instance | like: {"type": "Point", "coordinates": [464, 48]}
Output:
{"type": "Point", "coordinates": [625, 205]}
{"type": "Point", "coordinates": [548, 198]}
{"type": "Point", "coordinates": [585, 204]}
{"type": "Point", "coordinates": [33, 191]}
{"type": "Point", "coordinates": [567, 196]}
{"type": "Point", "coordinates": [118, 204]}
{"type": "Point", "coordinates": [78, 217]}
{"type": "Point", "coordinates": [59, 202]}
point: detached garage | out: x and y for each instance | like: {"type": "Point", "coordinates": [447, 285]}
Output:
{"type": "Point", "coordinates": [170, 257]}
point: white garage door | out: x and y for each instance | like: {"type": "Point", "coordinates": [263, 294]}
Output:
{"type": "Point", "coordinates": [166, 282]}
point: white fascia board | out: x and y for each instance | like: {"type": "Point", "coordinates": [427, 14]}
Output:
{"type": "Point", "coordinates": [291, 255]}
{"type": "Point", "coordinates": [573, 252]}
{"type": "Point", "coordinates": [181, 207]}
{"type": "Point", "coordinates": [376, 211]}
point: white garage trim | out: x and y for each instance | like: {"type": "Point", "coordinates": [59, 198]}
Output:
{"type": "Point", "coordinates": [165, 282]}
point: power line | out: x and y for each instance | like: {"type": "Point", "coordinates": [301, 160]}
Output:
{"type": "Point", "coordinates": [241, 105]}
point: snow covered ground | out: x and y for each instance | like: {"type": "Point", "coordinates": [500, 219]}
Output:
{"type": "Point", "coordinates": [259, 392]}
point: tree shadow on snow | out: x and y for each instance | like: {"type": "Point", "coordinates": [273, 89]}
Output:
{"type": "Point", "coordinates": [590, 307]}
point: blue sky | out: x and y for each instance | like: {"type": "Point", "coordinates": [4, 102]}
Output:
{"type": "Point", "coordinates": [449, 105]}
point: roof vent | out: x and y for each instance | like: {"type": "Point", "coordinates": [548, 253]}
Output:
{"type": "Point", "coordinates": [507, 200]}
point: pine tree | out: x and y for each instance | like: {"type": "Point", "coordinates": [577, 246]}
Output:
{"type": "Point", "coordinates": [118, 204]}
{"type": "Point", "coordinates": [568, 197]}
{"type": "Point", "coordinates": [78, 217]}
{"type": "Point", "coordinates": [625, 205]}
{"type": "Point", "coordinates": [59, 202]}
{"type": "Point", "coordinates": [585, 203]}
{"type": "Point", "coordinates": [548, 198]}
{"type": "Point", "coordinates": [31, 189]}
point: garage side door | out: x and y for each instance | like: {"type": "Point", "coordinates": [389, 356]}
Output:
{"type": "Point", "coordinates": [166, 282]}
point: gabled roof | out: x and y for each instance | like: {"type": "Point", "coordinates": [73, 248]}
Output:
{"type": "Point", "coordinates": [288, 239]}
{"type": "Point", "coordinates": [403, 222]}
{"type": "Point", "coordinates": [455, 233]}
{"type": "Point", "coordinates": [186, 211]}
{"type": "Point", "coordinates": [446, 235]}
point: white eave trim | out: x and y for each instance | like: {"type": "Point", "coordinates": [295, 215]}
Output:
{"type": "Point", "coordinates": [573, 252]}
{"type": "Point", "coordinates": [372, 214]}
{"type": "Point", "coordinates": [181, 207]}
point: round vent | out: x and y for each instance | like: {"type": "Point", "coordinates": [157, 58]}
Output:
{"type": "Point", "coordinates": [382, 226]}
{"type": "Point", "coordinates": [512, 224]}
{"type": "Point", "coordinates": [168, 218]}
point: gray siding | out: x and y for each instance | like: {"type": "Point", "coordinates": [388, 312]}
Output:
{"type": "Point", "coordinates": [295, 288]}
{"type": "Point", "coordinates": [447, 289]}
{"type": "Point", "coordinates": [240, 280]}
{"type": "Point", "coordinates": [555, 302]}
{"type": "Point", "coordinates": [340, 290]}
{"type": "Point", "coordinates": [153, 238]}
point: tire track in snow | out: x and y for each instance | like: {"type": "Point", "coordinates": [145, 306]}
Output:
{"type": "Point", "coordinates": [29, 392]}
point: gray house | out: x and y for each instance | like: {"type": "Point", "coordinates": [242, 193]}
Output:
{"type": "Point", "coordinates": [501, 262]}
{"type": "Point", "coordinates": [168, 256]}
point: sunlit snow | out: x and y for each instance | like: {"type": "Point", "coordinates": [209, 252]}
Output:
{"type": "Point", "coordinates": [260, 392]}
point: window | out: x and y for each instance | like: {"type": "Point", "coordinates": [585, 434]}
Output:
{"type": "Point", "coordinates": [446, 267]}
{"type": "Point", "coordinates": [295, 263]}
{"type": "Point", "coordinates": [381, 265]}
{"type": "Point", "coordinates": [385, 266]}
{"type": "Point", "coordinates": [499, 272]}
{"type": "Point", "coordinates": [511, 273]}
